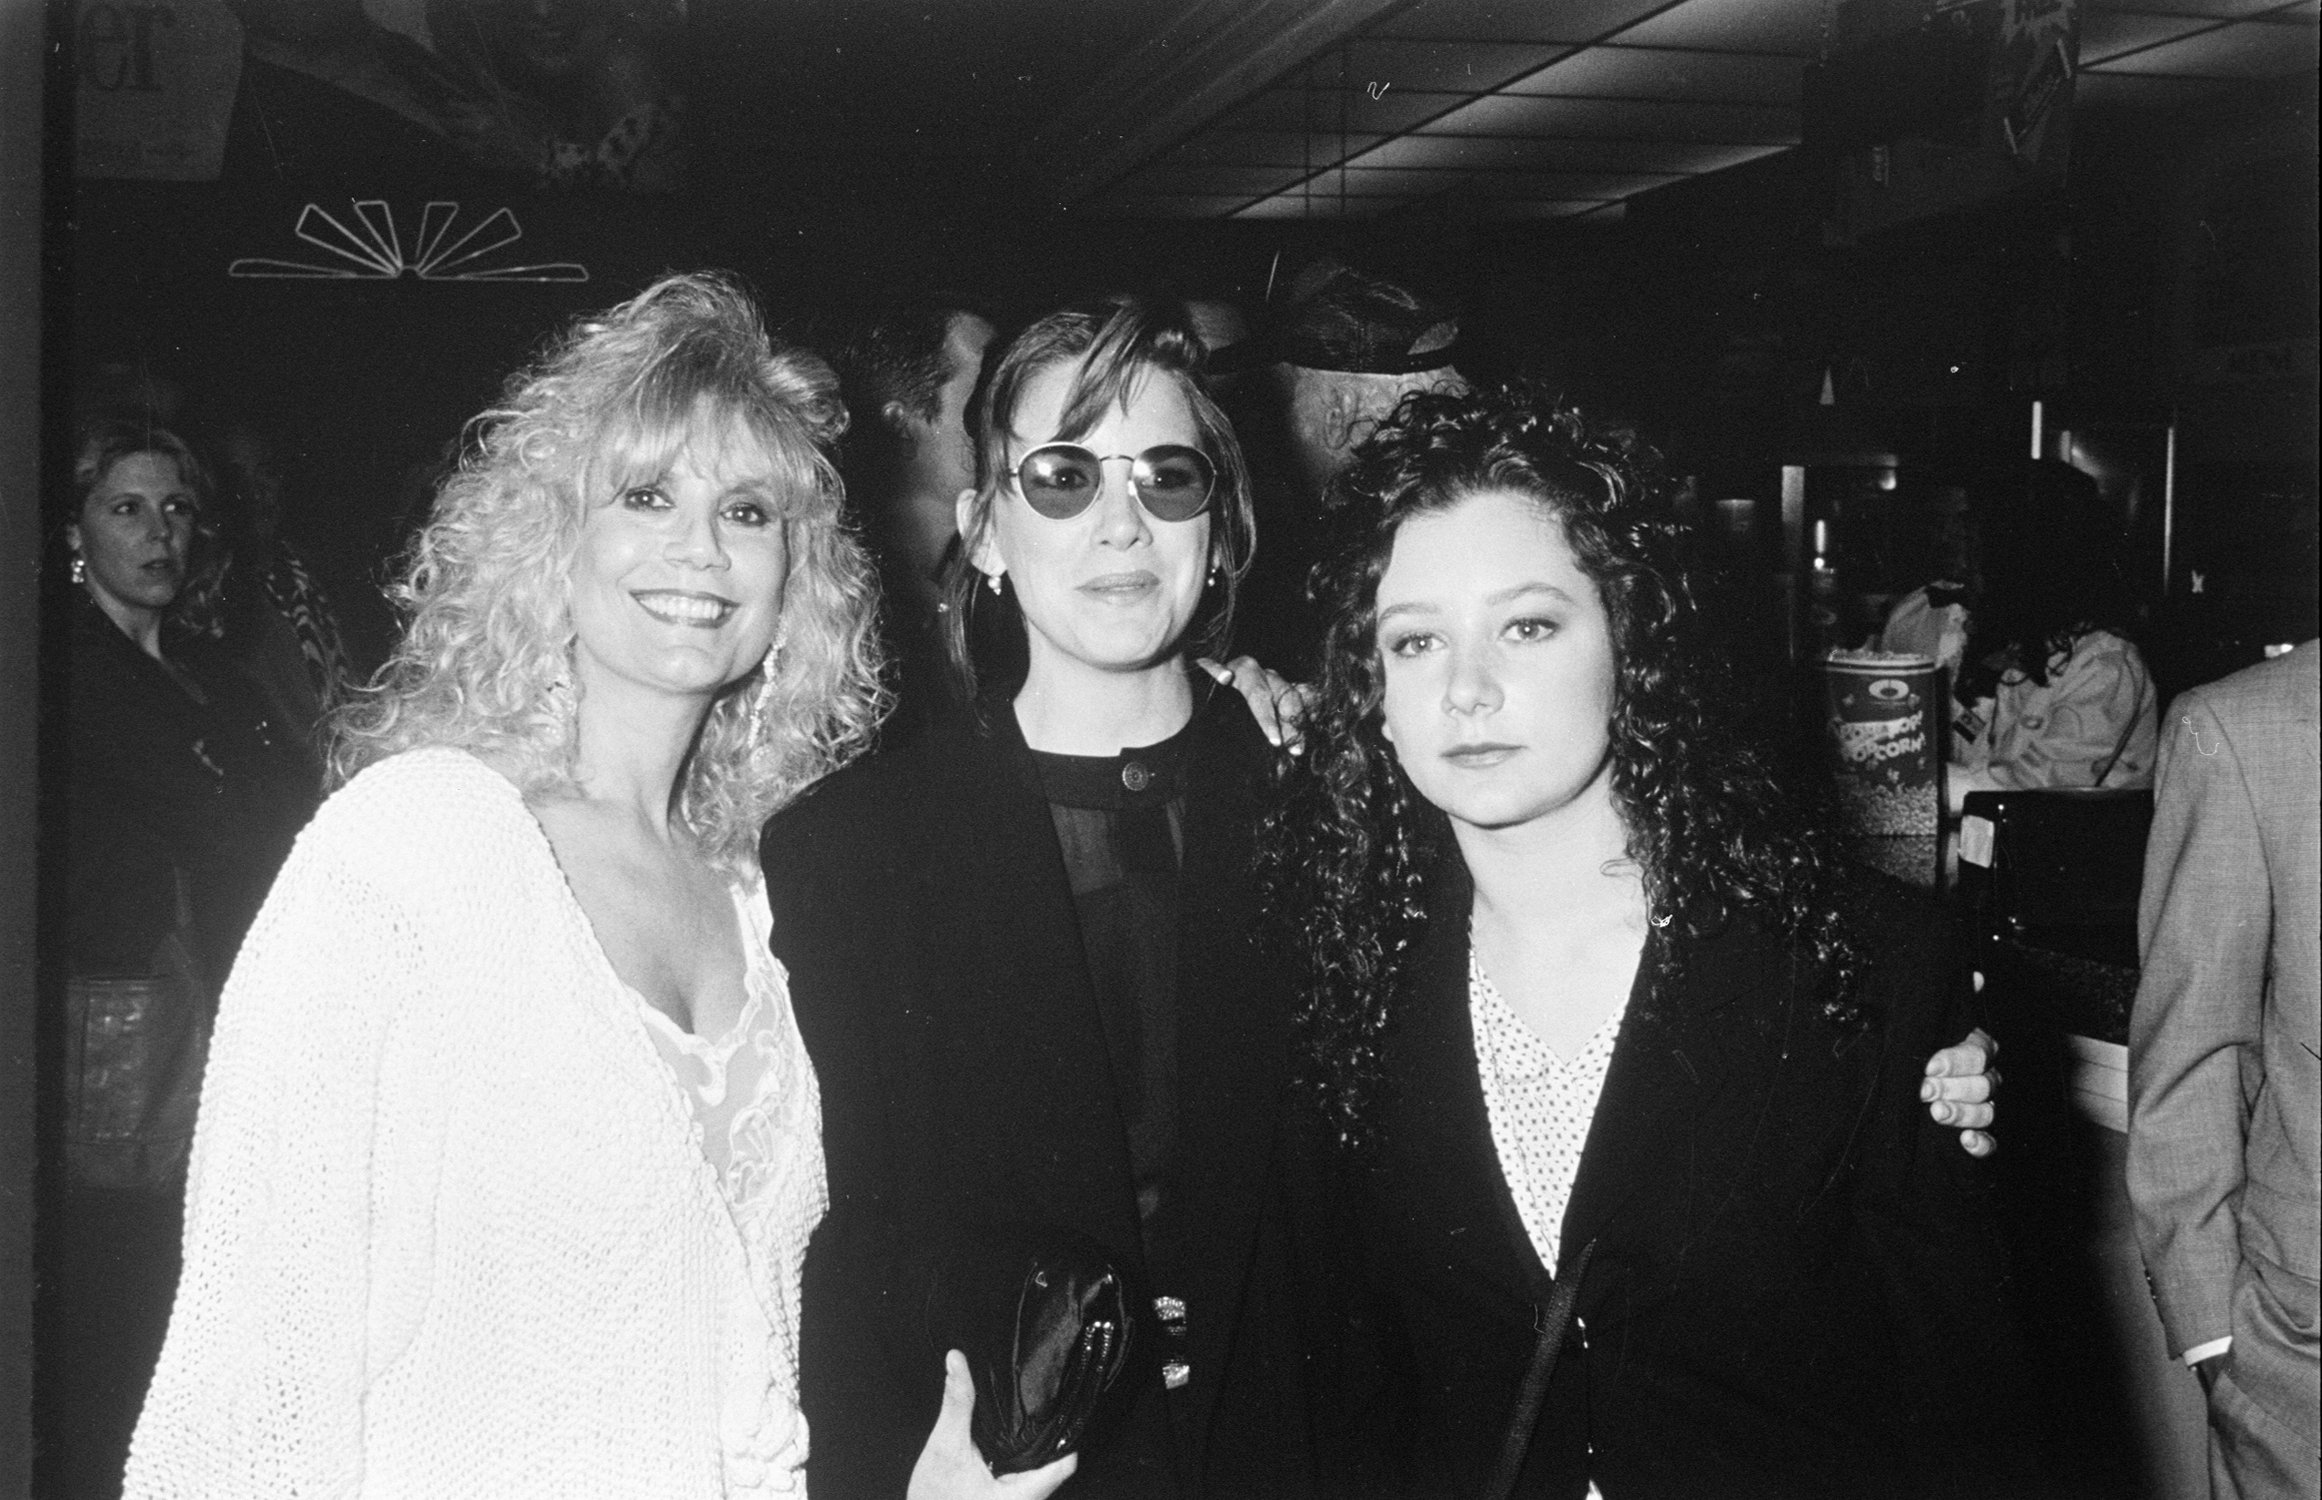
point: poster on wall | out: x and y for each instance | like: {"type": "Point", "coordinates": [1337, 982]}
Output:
{"type": "Point", "coordinates": [153, 85]}
{"type": "Point", "coordinates": [558, 95]}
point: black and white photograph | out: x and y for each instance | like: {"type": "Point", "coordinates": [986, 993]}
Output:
{"type": "Point", "coordinates": [1160, 749]}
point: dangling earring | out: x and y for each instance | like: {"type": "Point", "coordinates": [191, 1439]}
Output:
{"type": "Point", "coordinates": [992, 582]}
{"type": "Point", "coordinates": [756, 726]}
{"type": "Point", "coordinates": [1213, 570]}
{"type": "Point", "coordinates": [80, 569]}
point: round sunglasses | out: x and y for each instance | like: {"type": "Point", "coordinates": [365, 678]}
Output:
{"type": "Point", "coordinates": [1172, 482]}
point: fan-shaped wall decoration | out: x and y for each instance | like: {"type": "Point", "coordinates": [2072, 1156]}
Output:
{"type": "Point", "coordinates": [372, 250]}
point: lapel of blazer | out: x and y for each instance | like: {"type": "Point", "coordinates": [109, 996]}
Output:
{"type": "Point", "coordinates": [1442, 1127]}
{"type": "Point", "coordinates": [1687, 1041]}
{"type": "Point", "coordinates": [1232, 1045]}
{"type": "Point", "coordinates": [998, 943]}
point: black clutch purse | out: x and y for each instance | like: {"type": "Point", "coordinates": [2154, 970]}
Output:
{"type": "Point", "coordinates": [1043, 1318]}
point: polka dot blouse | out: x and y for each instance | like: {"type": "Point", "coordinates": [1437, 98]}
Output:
{"type": "Point", "coordinates": [1539, 1104]}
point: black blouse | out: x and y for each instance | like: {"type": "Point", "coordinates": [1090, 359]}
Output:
{"type": "Point", "coordinates": [1120, 820]}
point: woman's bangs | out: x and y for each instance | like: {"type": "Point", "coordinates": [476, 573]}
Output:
{"type": "Point", "coordinates": [1107, 378]}
{"type": "Point", "coordinates": [737, 440]}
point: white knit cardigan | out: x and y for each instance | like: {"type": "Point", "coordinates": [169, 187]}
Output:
{"type": "Point", "coordinates": [449, 1231]}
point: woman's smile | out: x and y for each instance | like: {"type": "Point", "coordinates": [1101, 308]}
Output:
{"type": "Point", "coordinates": [683, 607]}
{"type": "Point", "coordinates": [643, 607]}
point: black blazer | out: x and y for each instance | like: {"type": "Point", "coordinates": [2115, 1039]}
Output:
{"type": "Point", "coordinates": [160, 790]}
{"type": "Point", "coordinates": [1796, 1283]}
{"type": "Point", "coordinates": [921, 905]}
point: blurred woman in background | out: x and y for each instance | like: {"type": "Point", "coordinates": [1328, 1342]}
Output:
{"type": "Point", "coordinates": [181, 793]}
{"type": "Point", "coordinates": [2047, 688]}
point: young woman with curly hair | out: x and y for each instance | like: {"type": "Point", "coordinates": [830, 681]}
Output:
{"type": "Point", "coordinates": [509, 1148]}
{"type": "Point", "coordinates": [1591, 1004]}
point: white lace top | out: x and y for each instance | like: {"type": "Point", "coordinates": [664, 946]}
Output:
{"type": "Point", "coordinates": [1540, 1106]}
{"type": "Point", "coordinates": [753, 1101]}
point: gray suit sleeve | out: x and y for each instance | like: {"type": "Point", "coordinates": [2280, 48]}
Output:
{"type": "Point", "coordinates": [2204, 927]}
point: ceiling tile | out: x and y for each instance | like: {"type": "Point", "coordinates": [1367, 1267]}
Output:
{"type": "Point", "coordinates": [1659, 73]}
{"type": "Point", "coordinates": [2134, 91]}
{"type": "Point", "coordinates": [2216, 10]}
{"type": "Point", "coordinates": [1522, 153]}
{"type": "Point", "coordinates": [1156, 206]}
{"type": "Point", "coordinates": [1365, 208]}
{"type": "Point", "coordinates": [2106, 35]}
{"type": "Point", "coordinates": [1324, 110]}
{"type": "Point", "coordinates": [1568, 187]}
{"type": "Point", "coordinates": [1512, 114]}
{"type": "Point", "coordinates": [1590, 187]}
{"type": "Point", "coordinates": [1376, 63]}
{"type": "Point", "coordinates": [1518, 209]}
{"type": "Point", "coordinates": [1795, 27]}
{"type": "Point", "coordinates": [1210, 177]}
{"type": "Point", "coordinates": [1266, 148]}
{"type": "Point", "coordinates": [1517, 20]}
{"type": "Point", "coordinates": [2243, 49]}
{"type": "Point", "coordinates": [1294, 206]}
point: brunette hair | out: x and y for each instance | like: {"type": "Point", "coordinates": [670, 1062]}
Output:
{"type": "Point", "coordinates": [2048, 560]}
{"type": "Point", "coordinates": [1116, 345]}
{"type": "Point", "coordinates": [1347, 854]}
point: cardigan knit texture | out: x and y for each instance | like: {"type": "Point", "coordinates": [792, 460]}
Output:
{"type": "Point", "coordinates": [450, 1231]}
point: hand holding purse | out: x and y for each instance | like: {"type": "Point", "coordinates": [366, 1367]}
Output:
{"type": "Point", "coordinates": [1042, 1316]}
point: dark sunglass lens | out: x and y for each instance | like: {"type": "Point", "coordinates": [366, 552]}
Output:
{"type": "Point", "coordinates": [1174, 483]}
{"type": "Point", "coordinates": [1059, 482]}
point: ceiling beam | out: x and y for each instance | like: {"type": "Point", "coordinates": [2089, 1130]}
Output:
{"type": "Point", "coordinates": [1209, 57]}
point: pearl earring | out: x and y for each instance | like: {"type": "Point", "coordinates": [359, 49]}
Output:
{"type": "Point", "coordinates": [80, 569]}
{"type": "Point", "coordinates": [992, 582]}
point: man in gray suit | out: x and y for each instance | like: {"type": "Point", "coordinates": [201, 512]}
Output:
{"type": "Point", "coordinates": [2223, 1132]}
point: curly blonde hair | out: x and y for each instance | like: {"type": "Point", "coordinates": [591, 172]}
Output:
{"type": "Point", "coordinates": [485, 659]}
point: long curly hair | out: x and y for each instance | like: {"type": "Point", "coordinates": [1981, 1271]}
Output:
{"type": "Point", "coordinates": [1347, 854]}
{"type": "Point", "coordinates": [1118, 343]}
{"type": "Point", "coordinates": [485, 662]}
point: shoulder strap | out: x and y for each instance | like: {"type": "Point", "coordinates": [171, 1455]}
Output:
{"type": "Point", "coordinates": [1552, 1322]}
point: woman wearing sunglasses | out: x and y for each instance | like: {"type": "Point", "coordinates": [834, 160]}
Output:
{"type": "Point", "coordinates": [1020, 946]}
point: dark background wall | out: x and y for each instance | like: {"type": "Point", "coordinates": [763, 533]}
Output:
{"type": "Point", "coordinates": [2174, 270]}
{"type": "Point", "coordinates": [21, 95]}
